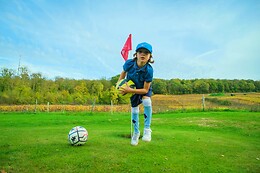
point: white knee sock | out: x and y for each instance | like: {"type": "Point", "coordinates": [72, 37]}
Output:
{"type": "Point", "coordinates": [147, 112]}
{"type": "Point", "coordinates": [135, 119]}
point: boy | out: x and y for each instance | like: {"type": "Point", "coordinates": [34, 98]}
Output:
{"type": "Point", "coordinates": [140, 72]}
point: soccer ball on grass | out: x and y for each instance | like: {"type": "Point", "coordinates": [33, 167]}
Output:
{"type": "Point", "coordinates": [78, 135]}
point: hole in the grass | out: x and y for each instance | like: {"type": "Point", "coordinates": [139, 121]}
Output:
{"type": "Point", "coordinates": [128, 136]}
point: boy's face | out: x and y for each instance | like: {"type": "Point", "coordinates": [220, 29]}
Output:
{"type": "Point", "coordinates": [143, 55]}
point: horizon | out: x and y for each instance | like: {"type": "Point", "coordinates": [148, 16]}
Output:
{"type": "Point", "coordinates": [109, 78]}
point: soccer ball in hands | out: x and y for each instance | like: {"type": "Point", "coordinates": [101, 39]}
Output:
{"type": "Point", "coordinates": [122, 83]}
{"type": "Point", "coordinates": [78, 135]}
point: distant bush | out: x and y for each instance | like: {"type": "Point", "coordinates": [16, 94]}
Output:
{"type": "Point", "coordinates": [219, 102]}
{"type": "Point", "coordinates": [217, 94]}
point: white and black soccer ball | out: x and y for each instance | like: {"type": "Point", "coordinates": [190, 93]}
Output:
{"type": "Point", "coordinates": [78, 135]}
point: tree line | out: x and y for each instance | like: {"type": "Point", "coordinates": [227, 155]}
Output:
{"type": "Point", "coordinates": [23, 87]}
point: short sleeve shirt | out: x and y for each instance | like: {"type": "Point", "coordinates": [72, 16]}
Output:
{"type": "Point", "coordinates": [138, 75]}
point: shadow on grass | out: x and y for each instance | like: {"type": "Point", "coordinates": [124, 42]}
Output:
{"type": "Point", "coordinates": [127, 136]}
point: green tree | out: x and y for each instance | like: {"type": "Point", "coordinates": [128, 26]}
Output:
{"type": "Point", "coordinates": [81, 93]}
{"type": "Point", "coordinates": [200, 87]}
{"type": "Point", "coordinates": [187, 86]}
{"type": "Point", "coordinates": [106, 83]}
{"type": "Point", "coordinates": [95, 89]}
{"type": "Point", "coordinates": [114, 80]}
{"type": "Point", "coordinates": [159, 86]}
{"type": "Point", "coordinates": [213, 86]}
{"type": "Point", "coordinates": [220, 86]}
{"type": "Point", "coordinates": [257, 86]}
{"type": "Point", "coordinates": [114, 95]}
{"type": "Point", "coordinates": [36, 82]}
{"type": "Point", "coordinates": [6, 82]}
{"type": "Point", "coordinates": [175, 86]}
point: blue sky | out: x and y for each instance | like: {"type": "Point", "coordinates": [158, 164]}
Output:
{"type": "Point", "coordinates": [82, 39]}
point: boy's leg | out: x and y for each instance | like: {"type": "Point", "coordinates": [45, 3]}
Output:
{"type": "Point", "coordinates": [147, 118]}
{"type": "Point", "coordinates": [147, 112]}
{"type": "Point", "coordinates": [135, 120]}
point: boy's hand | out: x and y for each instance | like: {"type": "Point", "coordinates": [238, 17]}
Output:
{"type": "Point", "coordinates": [125, 89]}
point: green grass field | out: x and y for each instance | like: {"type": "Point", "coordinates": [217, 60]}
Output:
{"type": "Point", "coordinates": [182, 142]}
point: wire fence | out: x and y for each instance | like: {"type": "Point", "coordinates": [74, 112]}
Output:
{"type": "Point", "coordinates": [161, 103]}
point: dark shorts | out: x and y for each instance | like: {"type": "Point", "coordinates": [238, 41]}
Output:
{"type": "Point", "coordinates": [136, 99]}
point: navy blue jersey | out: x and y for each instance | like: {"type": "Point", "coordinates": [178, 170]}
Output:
{"type": "Point", "coordinates": [138, 76]}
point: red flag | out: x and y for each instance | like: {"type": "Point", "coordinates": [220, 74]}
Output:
{"type": "Point", "coordinates": [127, 47]}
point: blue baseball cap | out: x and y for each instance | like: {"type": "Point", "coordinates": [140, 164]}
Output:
{"type": "Point", "coordinates": [145, 46]}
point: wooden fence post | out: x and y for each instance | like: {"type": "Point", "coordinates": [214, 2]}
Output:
{"type": "Point", "coordinates": [203, 102]}
{"type": "Point", "coordinates": [111, 108]}
{"type": "Point", "coordinates": [35, 108]}
{"type": "Point", "coordinates": [48, 107]}
{"type": "Point", "coordinates": [93, 105]}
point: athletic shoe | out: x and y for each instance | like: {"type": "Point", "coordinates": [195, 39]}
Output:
{"type": "Point", "coordinates": [147, 135]}
{"type": "Point", "coordinates": [135, 139]}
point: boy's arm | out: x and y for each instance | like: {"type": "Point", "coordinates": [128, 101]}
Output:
{"type": "Point", "coordinates": [143, 90]}
{"type": "Point", "coordinates": [122, 76]}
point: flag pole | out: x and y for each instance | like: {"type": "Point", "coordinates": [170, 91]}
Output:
{"type": "Point", "coordinates": [125, 53]}
{"type": "Point", "coordinates": [131, 53]}
{"type": "Point", "coordinates": [131, 118]}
